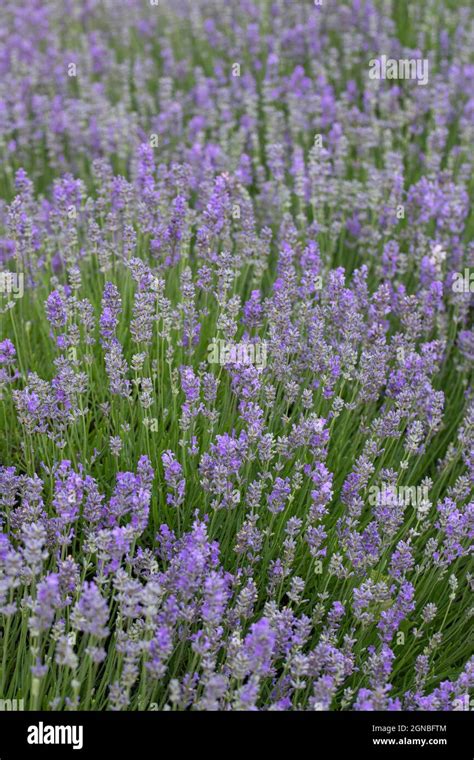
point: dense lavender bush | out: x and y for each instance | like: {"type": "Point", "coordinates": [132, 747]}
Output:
{"type": "Point", "coordinates": [237, 419]}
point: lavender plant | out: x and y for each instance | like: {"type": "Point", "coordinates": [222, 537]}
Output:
{"type": "Point", "coordinates": [237, 450]}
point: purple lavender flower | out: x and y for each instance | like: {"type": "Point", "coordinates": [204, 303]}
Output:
{"type": "Point", "coordinates": [279, 495]}
{"type": "Point", "coordinates": [44, 607]}
{"type": "Point", "coordinates": [174, 479]}
{"type": "Point", "coordinates": [91, 613]}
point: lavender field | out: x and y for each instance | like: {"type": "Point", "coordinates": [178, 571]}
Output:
{"type": "Point", "coordinates": [236, 352]}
